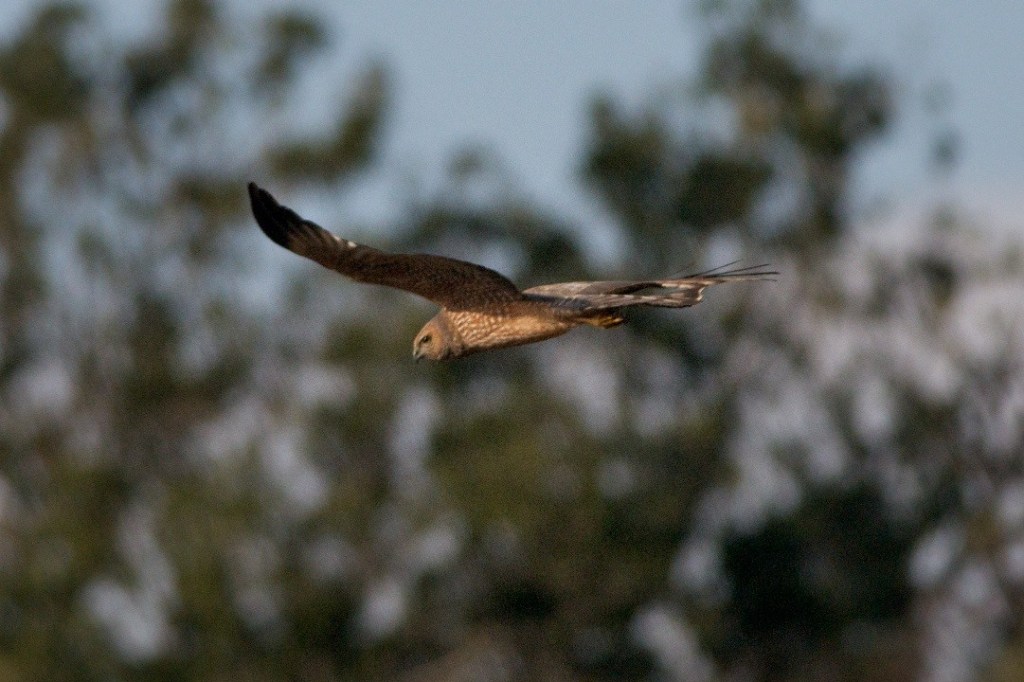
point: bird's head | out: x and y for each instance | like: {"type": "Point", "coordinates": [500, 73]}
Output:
{"type": "Point", "coordinates": [434, 341]}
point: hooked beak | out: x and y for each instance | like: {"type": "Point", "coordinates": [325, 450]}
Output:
{"type": "Point", "coordinates": [416, 355]}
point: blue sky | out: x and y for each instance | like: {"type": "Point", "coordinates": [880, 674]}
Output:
{"type": "Point", "coordinates": [516, 76]}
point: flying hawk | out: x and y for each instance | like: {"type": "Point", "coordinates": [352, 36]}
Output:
{"type": "Point", "coordinates": [481, 309]}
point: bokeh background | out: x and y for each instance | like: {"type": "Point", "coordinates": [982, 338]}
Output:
{"type": "Point", "coordinates": [218, 461]}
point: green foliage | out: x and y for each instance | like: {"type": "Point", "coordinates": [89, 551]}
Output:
{"type": "Point", "coordinates": [40, 56]}
{"type": "Point", "coordinates": [213, 470]}
{"type": "Point", "coordinates": [293, 39]}
{"type": "Point", "coordinates": [349, 147]}
{"type": "Point", "coordinates": [835, 565]}
{"type": "Point", "coordinates": [191, 26]}
{"type": "Point", "coordinates": [798, 123]}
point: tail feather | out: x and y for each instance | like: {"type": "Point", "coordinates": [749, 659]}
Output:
{"type": "Point", "coordinates": [675, 292]}
{"type": "Point", "coordinates": [721, 274]}
{"type": "Point", "coordinates": [748, 270]}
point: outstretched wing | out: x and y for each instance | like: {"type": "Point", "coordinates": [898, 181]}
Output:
{"type": "Point", "coordinates": [452, 283]}
{"type": "Point", "coordinates": [666, 293]}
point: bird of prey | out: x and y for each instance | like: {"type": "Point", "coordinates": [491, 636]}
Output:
{"type": "Point", "coordinates": [481, 309]}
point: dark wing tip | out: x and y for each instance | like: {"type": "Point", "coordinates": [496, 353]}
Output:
{"type": "Point", "coordinates": [276, 221]}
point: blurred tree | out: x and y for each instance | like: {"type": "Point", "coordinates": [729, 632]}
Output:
{"type": "Point", "coordinates": [831, 488]}
{"type": "Point", "coordinates": [130, 372]}
{"type": "Point", "coordinates": [788, 125]}
{"type": "Point", "coordinates": [210, 470]}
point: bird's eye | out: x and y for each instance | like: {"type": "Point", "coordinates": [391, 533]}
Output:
{"type": "Point", "coordinates": [425, 339]}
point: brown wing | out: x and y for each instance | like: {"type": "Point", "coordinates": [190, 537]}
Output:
{"type": "Point", "coordinates": [454, 284]}
{"type": "Point", "coordinates": [667, 293]}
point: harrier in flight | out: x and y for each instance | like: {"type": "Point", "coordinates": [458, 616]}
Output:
{"type": "Point", "coordinates": [481, 309]}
